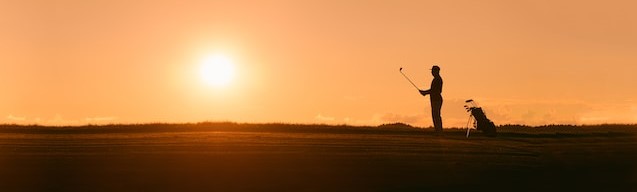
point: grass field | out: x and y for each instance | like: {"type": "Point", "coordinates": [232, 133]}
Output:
{"type": "Point", "coordinates": [283, 157]}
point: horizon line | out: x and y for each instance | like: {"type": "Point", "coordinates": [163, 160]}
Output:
{"type": "Point", "coordinates": [296, 124]}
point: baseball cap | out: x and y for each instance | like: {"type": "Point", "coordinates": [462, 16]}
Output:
{"type": "Point", "coordinates": [435, 68]}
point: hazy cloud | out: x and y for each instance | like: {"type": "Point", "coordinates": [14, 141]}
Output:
{"type": "Point", "coordinates": [99, 119]}
{"type": "Point", "coordinates": [543, 112]}
{"type": "Point", "coordinates": [321, 117]}
{"type": "Point", "coordinates": [16, 118]}
{"type": "Point", "coordinates": [58, 120]}
{"type": "Point", "coordinates": [394, 118]}
{"type": "Point", "coordinates": [528, 112]}
{"type": "Point", "coordinates": [625, 112]}
{"type": "Point", "coordinates": [378, 119]}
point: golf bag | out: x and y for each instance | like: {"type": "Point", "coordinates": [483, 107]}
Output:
{"type": "Point", "coordinates": [480, 120]}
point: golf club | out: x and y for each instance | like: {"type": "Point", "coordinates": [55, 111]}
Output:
{"type": "Point", "coordinates": [412, 83]}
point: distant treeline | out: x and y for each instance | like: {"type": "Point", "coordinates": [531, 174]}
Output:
{"type": "Point", "coordinates": [206, 126]}
{"type": "Point", "coordinates": [394, 128]}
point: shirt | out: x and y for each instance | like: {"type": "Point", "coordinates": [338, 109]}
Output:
{"type": "Point", "coordinates": [436, 87]}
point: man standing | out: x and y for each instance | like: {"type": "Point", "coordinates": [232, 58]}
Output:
{"type": "Point", "coordinates": [435, 95]}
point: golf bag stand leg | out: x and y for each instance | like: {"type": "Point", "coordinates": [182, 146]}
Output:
{"type": "Point", "coordinates": [469, 128]}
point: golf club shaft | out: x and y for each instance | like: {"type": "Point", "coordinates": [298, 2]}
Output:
{"type": "Point", "coordinates": [412, 83]}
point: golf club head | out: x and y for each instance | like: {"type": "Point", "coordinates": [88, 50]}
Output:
{"type": "Point", "coordinates": [401, 69]}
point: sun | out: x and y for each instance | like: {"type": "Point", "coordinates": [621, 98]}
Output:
{"type": "Point", "coordinates": [217, 70]}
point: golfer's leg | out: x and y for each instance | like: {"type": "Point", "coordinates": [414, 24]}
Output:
{"type": "Point", "coordinates": [435, 113]}
{"type": "Point", "coordinates": [440, 115]}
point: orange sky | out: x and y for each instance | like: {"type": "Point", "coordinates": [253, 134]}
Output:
{"type": "Point", "coordinates": [120, 61]}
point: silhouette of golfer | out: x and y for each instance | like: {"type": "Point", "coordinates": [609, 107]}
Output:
{"type": "Point", "coordinates": [435, 95]}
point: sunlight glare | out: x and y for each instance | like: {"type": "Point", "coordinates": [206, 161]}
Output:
{"type": "Point", "coordinates": [217, 70]}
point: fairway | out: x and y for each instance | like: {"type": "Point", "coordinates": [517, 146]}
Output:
{"type": "Point", "coordinates": [237, 157]}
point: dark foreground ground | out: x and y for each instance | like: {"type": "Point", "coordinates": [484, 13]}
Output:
{"type": "Point", "coordinates": [235, 157]}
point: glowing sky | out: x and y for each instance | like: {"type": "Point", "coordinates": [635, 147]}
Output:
{"type": "Point", "coordinates": [121, 61]}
